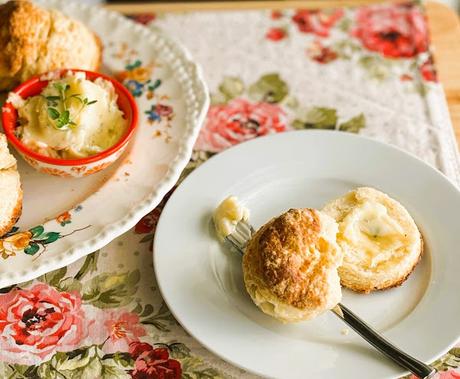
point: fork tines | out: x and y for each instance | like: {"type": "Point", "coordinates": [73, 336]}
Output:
{"type": "Point", "coordinates": [240, 237]}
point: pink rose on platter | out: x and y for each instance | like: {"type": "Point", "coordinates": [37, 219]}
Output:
{"type": "Point", "coordinates": [36, 322]}
{"type": "Point", "coordinates": [123, 328]}
{"type": "Point", "coordinates": [395, 31]}
{"type": "Point", "coordinates": [317, 21]}
{"type": "Point", "coordinates": [239, 121]}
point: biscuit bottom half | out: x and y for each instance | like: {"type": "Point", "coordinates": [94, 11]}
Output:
{"type": "Point", "coordinates": [380, 240]}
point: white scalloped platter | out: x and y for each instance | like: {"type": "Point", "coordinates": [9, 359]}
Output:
{"type": "Point", "coordinates": [63, 218]}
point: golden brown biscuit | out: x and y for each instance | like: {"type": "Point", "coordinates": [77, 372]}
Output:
{"type": "Point", "coordinates": [34, 40]}
{"type": "Point", "coordinates": [10, 189]}
{"type": "Point", "coordinates": [380, 240]}
{"type": "Point", "coordinates": [290, 265]}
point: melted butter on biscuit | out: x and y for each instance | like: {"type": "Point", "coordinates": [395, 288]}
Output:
{"type": "Point", "coordinates": [372, 232]}
{"type": "Point", "coordinates": [227, 215]}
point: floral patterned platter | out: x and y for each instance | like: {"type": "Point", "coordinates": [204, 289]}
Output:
{"type": "Point", "coordinates": [65, 218]}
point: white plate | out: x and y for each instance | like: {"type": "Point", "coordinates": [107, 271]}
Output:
{"type": "Point", "coordinates": [105, 205]}
{"type": "Point", "coordinates": [202, 282]}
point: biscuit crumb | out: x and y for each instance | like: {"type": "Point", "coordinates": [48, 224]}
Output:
{"type": "Point", "coordinates": [345, 331]}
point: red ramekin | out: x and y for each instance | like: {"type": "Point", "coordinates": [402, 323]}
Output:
{"type": "Point", "coordinates": [69, 167]}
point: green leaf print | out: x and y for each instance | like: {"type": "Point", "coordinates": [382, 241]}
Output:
{"type": "Point", "coordinates": [13, 230]}
{"type": "Point", "coordinates": [353, 125]}
{"type": "Point", "coordinates": [85, 363]}
{"type": "Point", "coordinates": [231, 87]}
{"type": "Point", "coordinates": [111, 370]}
{"type": "Point", "coordinates": [48, 369]}
{"type": "Point", "coordinates": [316, 118]}
{"type": "Point", "coordinates": [49, 237]}
{"type": "Point", "coordinates": [421, 88]}
{"type": "Point", "coordinates": [69, 284]}
{"type": "Point", "coordinates": [345, 24]}
{"type": "Point", "coordinates": [131, 66]}
{"type": "Point", "coordinates": [138, 308]}
{"type": "Point", "coordinates": [71, 362]}
{"type": "Point", "coordinates": [377, 67]}
{"type": "Point", "coordinates": [10, 288]}
{"type": "Point", "coordinates": [291, 102]}
{"type": "Point", "coordinates": [218, 98]}
{"type": "Point", "coordinates": [37, 231]}
{"type": "Point", "coordinates": [54, 277]}
{"type": "Point", "coordinates": [155, 85]}
{"type": "Point", "coordinates": [346, 48]}
{"type": "Point", "coordinates": [121, 359]}
{"type": "Point", "coordinates": [17, 371]}
{"type": "Point", "coordinates": [179, 350]}
{"type": "Point", "coordinates": [194, 368]}
{"type": "Point", "coordinates": [32, 249]}
{"type": "Point", "coordinates": [148, 310]}
{"type": "Point", "coordinates": [448, 361]}
{"type": "Point", "coordinates": [110, 290]}
{"type": "Point", "coordinates": [269, 88]}
{"type": "Point", "coordinates": [160, 320]}
{"type": "Point", "coordinates": [89, 265]}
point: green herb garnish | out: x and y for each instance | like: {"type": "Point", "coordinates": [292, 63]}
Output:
{"type": "Point", "coordinates": [53, 113]}
{"type": "Point", "coordinates": [63, 120]}
{"type": "Point", "coordinates": [57, 106]}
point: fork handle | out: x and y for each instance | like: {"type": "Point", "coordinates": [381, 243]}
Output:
{"type": "Point", "coordinates": [415, 366]}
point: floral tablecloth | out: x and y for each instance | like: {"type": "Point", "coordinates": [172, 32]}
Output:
{"type": "Point", "coordinates": [366, 70]}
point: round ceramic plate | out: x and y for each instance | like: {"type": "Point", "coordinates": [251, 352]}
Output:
{"type": "Point", "coordinates": [202, 282]}
{"type": "Point", "coordinates": [63, 218]}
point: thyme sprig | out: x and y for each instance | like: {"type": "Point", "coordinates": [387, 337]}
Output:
{"type": "Point", "coordinates": [62, 119]}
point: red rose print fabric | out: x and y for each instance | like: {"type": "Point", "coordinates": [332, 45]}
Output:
{"type": "Point", "coordinates": [239, 121]}
{"type": "Point", "coordinates": [36, 322]}
{"type": "Point", "coordinates": [395, 31]}
{"type": "Point", "coordinates": [318, 22]}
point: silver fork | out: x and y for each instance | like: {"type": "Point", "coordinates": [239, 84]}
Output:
{"type": "Point", "coordinates": [239, 239]}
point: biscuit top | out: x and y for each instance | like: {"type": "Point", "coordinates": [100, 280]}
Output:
{"type": "Point", "coordinates": [6, 159]}
{"type": "Point", "coordinates": [24, 29]}
{"type": "Point", "coordinates": [35, 40]}
{"type": "Point", "coordinates": [295, 259]}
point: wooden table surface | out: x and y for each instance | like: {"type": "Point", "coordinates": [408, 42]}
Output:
{"type": "Point", "coordinates": [443, 21]}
